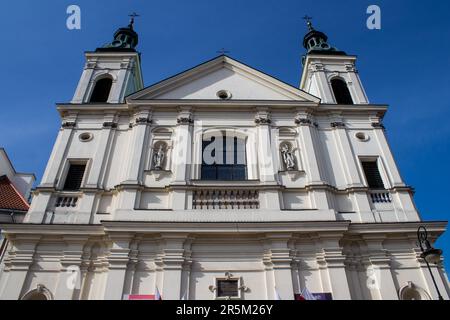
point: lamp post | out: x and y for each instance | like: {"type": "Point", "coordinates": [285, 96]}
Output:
{"type": "Point", "coordinates": [429, 254]}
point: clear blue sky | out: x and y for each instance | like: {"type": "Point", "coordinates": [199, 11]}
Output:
{"type": "Point", "coordinates": [405, 64]}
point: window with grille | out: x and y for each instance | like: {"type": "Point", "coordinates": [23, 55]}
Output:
{"type": "Point", "coordinates": [229, 157]}
{"type": "Point", "coordinates": [74, 177]}
{"type": "Point", "coordinates": [373, 175]}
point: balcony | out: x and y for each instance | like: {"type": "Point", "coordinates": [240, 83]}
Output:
{"type": "Point", "coordinates": [66, 201]}
{"type": "Point", "coordinates": [380, 196]}
{"type": "Point", "coordinates": [222, 199]}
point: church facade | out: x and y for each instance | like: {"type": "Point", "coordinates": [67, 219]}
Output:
{"type": "Point", "coordinates": [220, 182]}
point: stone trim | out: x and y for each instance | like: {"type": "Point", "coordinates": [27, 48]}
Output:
{"type": "Point", "coordinates": [112, 125]}
{"type": "Point", "coordinates": [378, 125]}
{"type": "Point", "coordinates": [337, 124]}
{"type": "Point", "coordinates": [68, 124]}
{"type": "Point", "coordinates": [302, 121]}
{"type": "Point", "coordinates": [143, 120]}
{"type": "Point", "coordinates": [184, 120]}
{"type": "Point", "coordinates": [262, 120]}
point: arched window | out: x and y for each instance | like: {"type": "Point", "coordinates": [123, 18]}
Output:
{"type": "Point", "coordinates": [40, 293]}
{"type": "Point", "coordinates": [341, 92]}
{"type": "Point", "coordinates": [224, 158]}
{"type": "Point", "coordinates": [101, 90]}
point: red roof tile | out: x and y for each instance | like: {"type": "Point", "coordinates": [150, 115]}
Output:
{"type": "Point", "coordinates": [10, 198]}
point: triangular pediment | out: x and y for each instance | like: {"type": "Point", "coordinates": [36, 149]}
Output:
{"type": "Point", "coordinates": [222, 74]}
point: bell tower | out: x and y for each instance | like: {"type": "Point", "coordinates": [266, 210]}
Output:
{"type": "Point", "coordinates": [113, 71]}
{"type": "Point", "coordinates": [328, 72]}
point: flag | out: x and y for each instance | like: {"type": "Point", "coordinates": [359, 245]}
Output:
{"type": "Point", "coordinates": [138, 297]}
{"type": "Point", "coordinates": [307, 295]}
{"type": "Point", "coordinates": [157, 295]}
{"type": "Point", "coordinates": [275, 294]}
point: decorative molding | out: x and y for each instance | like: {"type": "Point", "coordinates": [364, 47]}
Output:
{"type": "Point", "coordinates": [293, 174]}
{"type": "Point", "coordinates": [314, 67]}
{"type": "Point", "coordinates": [337, 124]}
{"type": "Point", "coordinates": [91, 65]}
{"type": "Point", "coordinates": [159, 174]}
{"type": "Point", "coordinates": [302, 121]}
{"type": "Point", "coordinates": [378, 125]}
{"type": "Point", "coordinates": [143, 120]}
{"type": "Point", "coordinates": [68, 124]}
{"type": "Point", "coordinates": [262, 120]}
{"type": "Point", "coordinates": [350, 68]}
{"type": "Point", "coordinates": [111, 125]}
{"type": "Point", "coordinates": [184, 120]}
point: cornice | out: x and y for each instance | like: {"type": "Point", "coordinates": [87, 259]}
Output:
{"type": "Point", "coordinates": [227, 227]}
{"type": "Point", "coordinates": [204, 184]}
{"type": "Point", "coordinates": [52, 229]}
{"type": "Point", "coordinates": [435, 228]}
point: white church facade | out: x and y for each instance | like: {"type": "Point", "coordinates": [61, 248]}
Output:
{"type": "Point", "coordinates": [220, 182]}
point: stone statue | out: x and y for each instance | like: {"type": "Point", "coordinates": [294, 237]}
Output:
{"type": "Point", "coordinates": [158, 158]}
{"type": "Point", "coordinates": [288, 157]}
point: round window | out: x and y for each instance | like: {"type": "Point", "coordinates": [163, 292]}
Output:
{"type": "Point", "coordinates": [362, 136]}
{"type": "Point", "coordinates": [224, 94]}
{"type": "Point", "coordinates": [86, 136]}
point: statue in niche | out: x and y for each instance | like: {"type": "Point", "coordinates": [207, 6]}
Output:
{"type": "Point", "coordinates": [158, 158]}
{"type": "Point", "coordinates": [288, 157]}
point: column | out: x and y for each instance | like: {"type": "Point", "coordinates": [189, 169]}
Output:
{"type": "Point", "coordinates": [183, 145]}
{"type": "Point", "coordinates": [355, 82]}
{"type": "Point", "coordinates": [380, 273]}
{"type": "Point", "coordinates": [182, 157]}
{"type": "Point", "coordinates": [55, 163]}
{"type": "Point", "coordinates": [38, 208]}
{"type": "Point", "coordinates": [17, 265]}
{"type": "Point", "coordinates": [311, 160]}
{"type": "Point", "coordinates": [318, 75]}
{"type": "Point", "coordinates": [118, 260]}
{"type": "Point", "coordinates": [346, 153]}
{"type": "Point", "coordinates": [278, 255]}
{"type": "Point", "coordinates": [131, 267]}
{"type": "Point", "coordinates": [69, 282]}
{"type": "Point", "coordinates": [172, 260]}
{"type": "Point", "coordinates": [265, 155]}
{"type": "Point", "coordinates": [85, 80]}
{"type": "Point", "coordinates": [134, 169]}
{"type": "Point", "coordinates": [99, 160]}
{"type": "Point", "coordinates": [386, 153]}
{"type": "Point", "coordinates": [335, 266]}
{"type": "Point", "coordinates": [310, 150]}
{"type": "Point", "coordinates": [120, 85]}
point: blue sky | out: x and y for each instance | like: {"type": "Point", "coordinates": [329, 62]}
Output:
{"type": "Point", "coordinates": [406, 64]}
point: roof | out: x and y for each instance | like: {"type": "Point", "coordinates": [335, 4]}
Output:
{"type": "Point", "coordinates": [158, 90]}
{"type": "Point", "coordinates": [10, 198]}
{"type": "Point", "coordinates": [5, 155]}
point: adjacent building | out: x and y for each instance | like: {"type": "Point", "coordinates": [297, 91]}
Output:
{"type": "Point", "coordinates": [15, 191]}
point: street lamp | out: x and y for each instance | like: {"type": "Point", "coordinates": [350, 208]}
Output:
{"type": "Point", "coordinates": [429, 254]}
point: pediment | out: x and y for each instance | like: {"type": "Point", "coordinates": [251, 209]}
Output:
{"type": "Point", "coordinates": [222, 74]}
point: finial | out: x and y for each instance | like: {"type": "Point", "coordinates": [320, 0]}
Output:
{"type": "Point", "coordinates": [223, 51]}
{"type": "Point", "coordinates": [133, 15]}
{"type": "Point", "coordinates": [308, 22]}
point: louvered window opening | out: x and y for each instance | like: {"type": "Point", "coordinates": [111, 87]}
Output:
{"type": "Point", "coordinates": [74, 177]}
{"type": "Point", "coordinates": [372, 174]}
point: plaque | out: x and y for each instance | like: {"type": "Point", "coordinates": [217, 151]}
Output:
{"type": "Point", "coordinates": [227, 288]}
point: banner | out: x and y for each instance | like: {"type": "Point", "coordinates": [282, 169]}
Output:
{"type": "Point", "coordinates": [138, 297]}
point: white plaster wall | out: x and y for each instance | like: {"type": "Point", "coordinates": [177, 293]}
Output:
{"type": "Point", "coordinates": [208, 85]}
